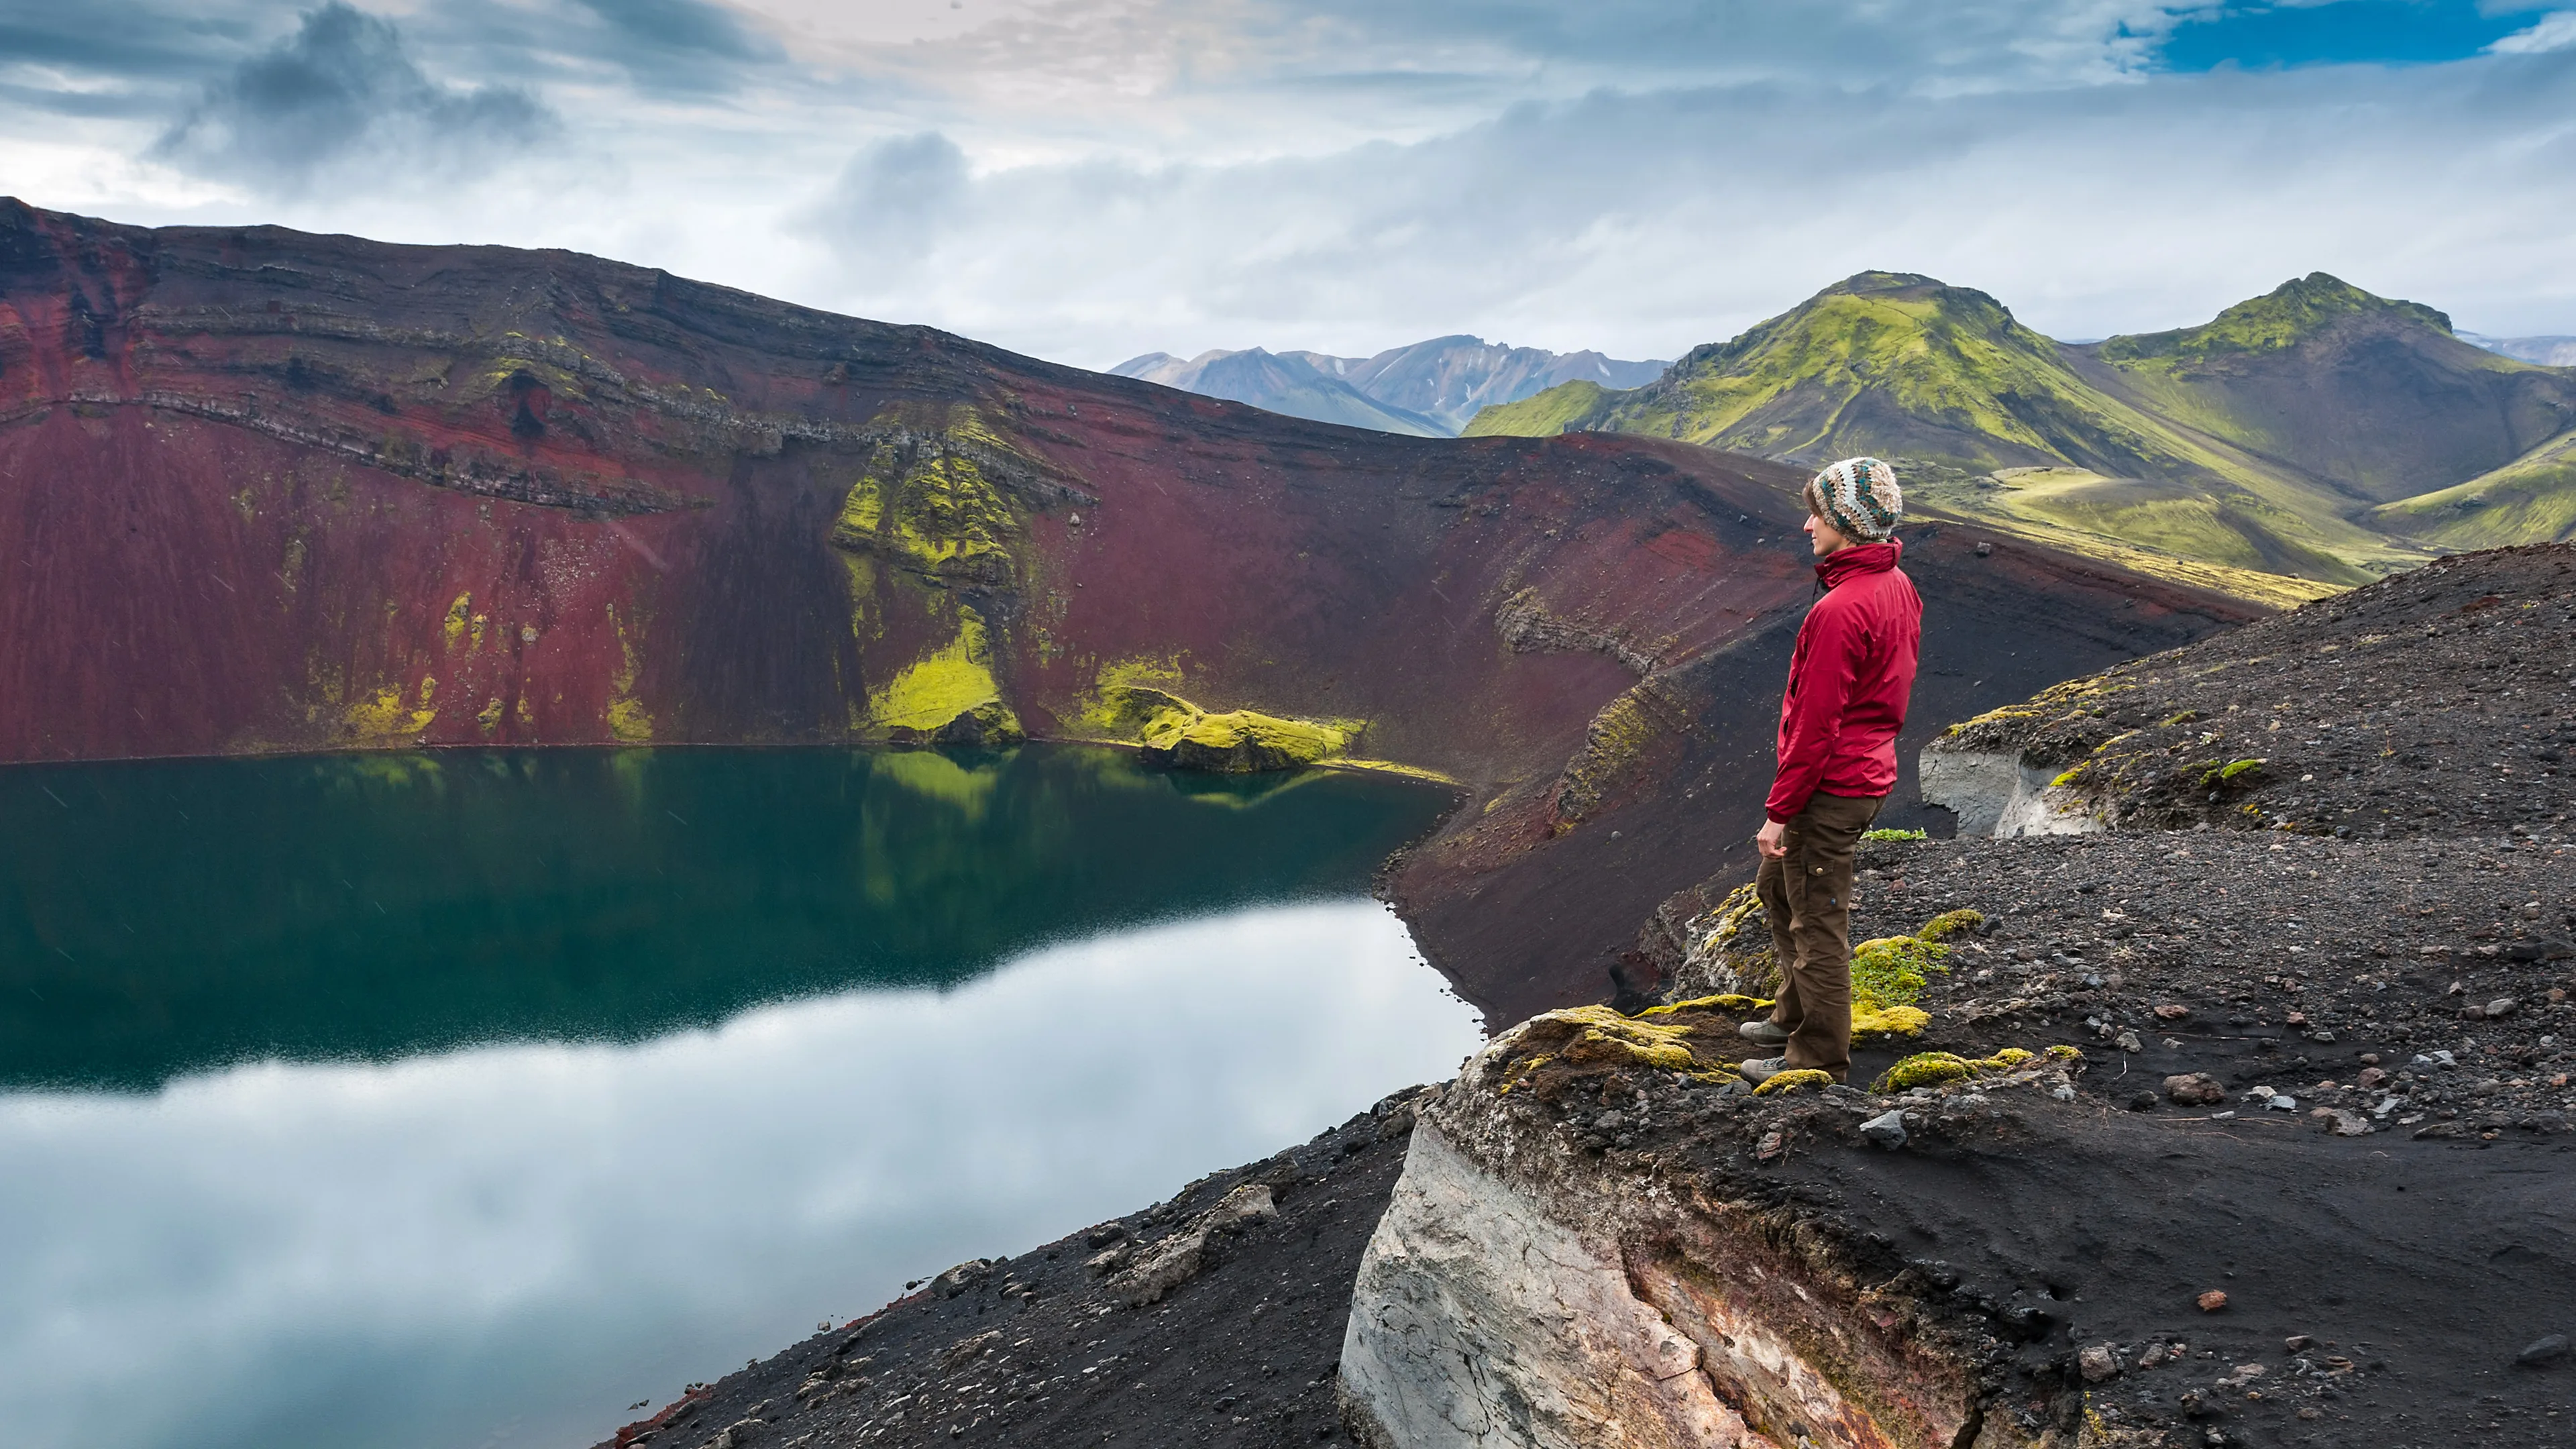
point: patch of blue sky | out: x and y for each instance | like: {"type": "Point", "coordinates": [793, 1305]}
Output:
{"type": "Point", "coordinates": [2275, 36]}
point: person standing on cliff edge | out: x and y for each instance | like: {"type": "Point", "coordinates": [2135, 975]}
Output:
{"type": "Point", "coordinates": [1850, 678]}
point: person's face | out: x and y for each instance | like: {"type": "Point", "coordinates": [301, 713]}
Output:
{"type": "Point", "coordinates": [1823, 537]}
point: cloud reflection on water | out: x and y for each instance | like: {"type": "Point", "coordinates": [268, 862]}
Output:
{"type": "Point", "coordinates": [510, 1244]}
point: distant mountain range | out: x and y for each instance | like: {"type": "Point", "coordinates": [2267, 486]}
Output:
{"type": "Point", "coordinates": [1429, 389]}
{"type": "Point", "coordinates": [2547, 351]}
{"type": "Point", "coordinates": [2312, 437]}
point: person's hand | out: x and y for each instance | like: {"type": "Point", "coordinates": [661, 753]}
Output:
{"type": "Point", "coordinates": [1768, 841]}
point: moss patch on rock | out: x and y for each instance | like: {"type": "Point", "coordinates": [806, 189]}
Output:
{"type": "Point", "coordinates": [949, 697]}
{"type": "Point", "coordinates": [1132, 703]}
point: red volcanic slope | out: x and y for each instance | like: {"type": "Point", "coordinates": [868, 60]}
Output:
{"type": "Point", "coordinates": [261, 490]}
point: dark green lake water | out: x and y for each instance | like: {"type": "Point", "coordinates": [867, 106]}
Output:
{"type": "Point", "coordinates": [463, 1099]}
{"type": "Point", "coordinates": [162, 917]}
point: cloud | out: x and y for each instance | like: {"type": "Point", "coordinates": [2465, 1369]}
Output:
{"type": "Point", "coordinates": [2556, 31]}
{"type": "Point", "coordinates": [1646, 223]}
{"type": "Point", "coordinates": [893, 199]}
{"type": "Point", "coordinates": [1093, 179]}
{"type": "Point", "coordinates": [675, 48]}
{"type": "Point", "coordinates": [342, 95]}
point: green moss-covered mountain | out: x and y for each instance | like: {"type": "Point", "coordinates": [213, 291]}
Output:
{"type": "Point", "coordinates": [2276, 450]}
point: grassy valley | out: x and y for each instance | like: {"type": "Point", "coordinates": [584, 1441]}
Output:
{"type": "Point", "coordinates": [2310, 439]}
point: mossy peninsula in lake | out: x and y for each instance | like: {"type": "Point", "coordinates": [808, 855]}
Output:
{"type": "Point", "coordinates": [166, 917]}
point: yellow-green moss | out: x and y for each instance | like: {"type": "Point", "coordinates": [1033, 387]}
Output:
{"type": "Point", "coordinates": [385, 715]}
{"type": "Point", "coordinates": [1131, 702]}
{"type": "Point", "coordinates": [954, 680]}
{"type": "Point", "coordinates": [1890, 970]}
{"type": "Point", "coordinates": [1520, 1071]}
{"type": "Point", "coordinates": [1242, 739]}
{"type": "Point", "coordinates": [1931, 1069]}
{"type": "Point", "coordinates": [1601, 1034]}
{"type": "Point", "coordinates": [1620, 733]}
{"type": "Point", "coordinates": [2218, 775]}
{"type": "Point", "coordinates": [1784, 1082]}
{"type": "Point", "coordinates": [488, 718]}
{"type": "Point", "coordinates": [629, 722]}
{"type": "Point", "coordinates": [1388, 767]}
{"type": "Point", "coordinates": [454, 628]}
{"type": "Point", "coordinates": [1728, 1002]}
{"type": "Point", "coordinates": [1882, 836]}
{"type": "Point", "coordinates": [1873, 1024]}
{"type": "Point", "coordinates": [2183, 718]}
{"type": "Point", "coordinates": [925, 498]}
{"type": "Point", "coordinates": [1923, 1069]}
{"type": "Point", "coordinates": [1950, 923]}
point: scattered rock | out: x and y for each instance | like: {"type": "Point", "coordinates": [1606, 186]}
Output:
{"type": "Point", "coordinates": [2543, 1353]}
{"type": "Point", "coordinates": [2212, 1301]}
{"type": "Point", "coordinates": [1164, 1265]}
{"type": "Point", "coordinates": [2098, 1363]}
{"type": "Point", "coordinates": [2194, 1089]}
{"type": "Point", "coordinates": [2501, 1006]}
{"type": "Point", "coordinates": [962, 1277]}
{"type": "Point", "coordinates": [1250, 1203]}
{"type": "Point", "coordinates": [2173, 1011]}
{"type": "Point", "coordinates": [2142, 1102]}
{"type": "Point", "coordinates": [2297, 1341]}
{"type": "Point", "coordinates": [1885, 1130]}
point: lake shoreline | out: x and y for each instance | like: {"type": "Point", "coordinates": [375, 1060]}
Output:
{"type": "Point", "coordinates": [1052, 1347]}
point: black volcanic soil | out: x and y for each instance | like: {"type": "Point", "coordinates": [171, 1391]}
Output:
{"type": "Point", "coordinates": [2437, 702]}
{"type": "Point", "coordinates": [1041, 1350]}
{"type": "Point", "coordinates": [2379, 1290]}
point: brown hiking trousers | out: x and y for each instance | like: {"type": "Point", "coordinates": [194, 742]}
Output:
{"type": "Point", "coordinates": [1806, 895]}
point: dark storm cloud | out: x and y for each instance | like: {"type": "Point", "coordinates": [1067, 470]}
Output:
{"type": "Point", "coordinates": [129, 58]}
{"type": "Point", "coordinates": [344, 89]}
{"type": "Point", "coordinates": [681, 27]}
{"type": "Point", "coordinates": [153, 58]}
{"type": "Point", "coordinates": [660, 47]}
{"type": "Point", "coordinates": [676, 46]}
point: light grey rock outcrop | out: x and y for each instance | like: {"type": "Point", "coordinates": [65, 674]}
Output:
{"type": "Point", "coordinates": [1478, 1323]}
{"type": "Point", "coordinates": [2001, 795]}
{"type": "Point", "coordinates": [1528, 1289]}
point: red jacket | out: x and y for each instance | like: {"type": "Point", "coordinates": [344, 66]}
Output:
{"type": "Point", "coordinates": [1848, 681]}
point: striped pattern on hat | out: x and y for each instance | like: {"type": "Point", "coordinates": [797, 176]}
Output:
{"type": "Point", "coordinates": [1859, 497]}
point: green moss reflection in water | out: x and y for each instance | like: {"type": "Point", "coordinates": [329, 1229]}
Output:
{"type": "Point", "coordinates": [165, 917]}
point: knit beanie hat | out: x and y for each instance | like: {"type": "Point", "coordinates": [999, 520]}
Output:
{"type": "Point", "coordinates": [1859, 497]}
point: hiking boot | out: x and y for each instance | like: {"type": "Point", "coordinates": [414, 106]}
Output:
{"type": "Point", "coordinates": [1762, 1069]}
{"type": "Point", "coordinates": [1765, 1031]}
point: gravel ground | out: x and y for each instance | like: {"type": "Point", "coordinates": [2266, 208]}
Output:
{"type": "Point", "coordinates": [2440, 702]}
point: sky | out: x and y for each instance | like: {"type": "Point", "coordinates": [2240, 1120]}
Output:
{"type": "Point", "coordinates": [1086, 180]}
